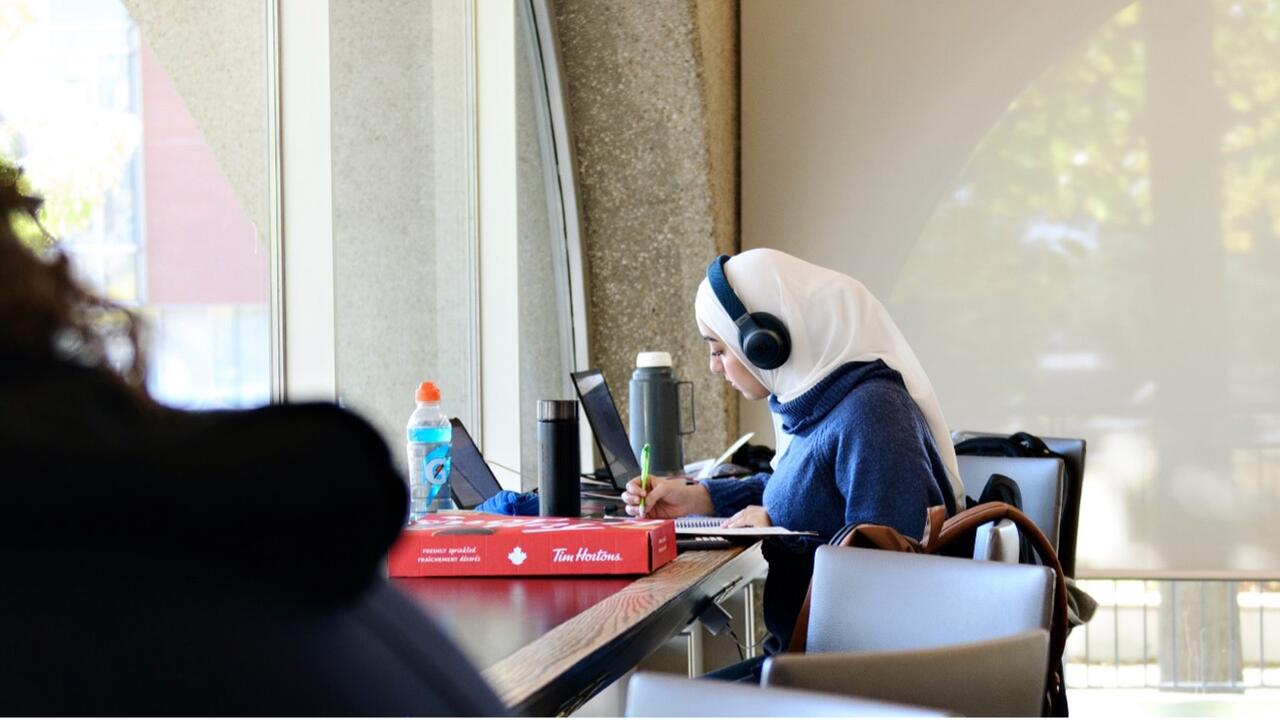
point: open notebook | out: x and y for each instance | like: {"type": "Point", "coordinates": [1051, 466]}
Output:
{"type": "Point", "coordinates": [703, 525]}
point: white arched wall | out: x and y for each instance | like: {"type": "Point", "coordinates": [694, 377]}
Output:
{"type": "Point", "coordinates": [857, 116]}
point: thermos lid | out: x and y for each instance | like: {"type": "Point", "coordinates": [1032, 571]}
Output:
{"type": "Point", "coordinates": [557, 410]}
{"type": "Point", "coordinates": [653, 359]}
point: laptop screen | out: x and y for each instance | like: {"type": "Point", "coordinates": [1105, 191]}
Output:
{"type": "Point", "coordinates": [606, 425]}
{"type": "Point", "coordinates": [470, 477]}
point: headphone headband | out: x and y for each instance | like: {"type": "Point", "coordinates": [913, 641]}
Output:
{"type": "Point", "coordinates": [763, 338]}
{"type": "Point", "coordinates": [724, 291]}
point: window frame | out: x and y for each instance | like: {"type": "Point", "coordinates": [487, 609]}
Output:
{"type": "Point", "coordinates": [303, 312]}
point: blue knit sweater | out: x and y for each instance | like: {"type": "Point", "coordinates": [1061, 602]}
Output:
{"type": "Point", "coordinates": [861, 453]}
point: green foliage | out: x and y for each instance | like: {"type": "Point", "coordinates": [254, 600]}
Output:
{"type": "Point", "coordinates": [73, 150]}
{"type": "Point", "coordinates": [1056, 201]}
{"type": "Point", "coordinates": [1067, 160]}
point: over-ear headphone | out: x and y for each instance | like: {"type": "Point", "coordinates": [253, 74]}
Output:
{"type": "Point", "coordinates": [763, 337]}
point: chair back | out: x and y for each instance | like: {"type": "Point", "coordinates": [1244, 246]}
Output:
{"type": "Point", "coordinates": [1003, 677]}
{"type": "Point", "coordinates": [662, 695]}
{"type": "Point", "coordinates": [865, 599]}
{"type": "Point", "coordinates": [1041, 480]}
{"type": "Point", "coordinates": [1072, 451]}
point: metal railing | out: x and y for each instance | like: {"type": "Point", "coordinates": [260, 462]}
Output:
{"type": "Point", "coordinates": [1186, 635]}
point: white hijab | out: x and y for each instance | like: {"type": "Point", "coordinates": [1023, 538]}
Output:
{"type": "Point", "coordinates": [833, 319]}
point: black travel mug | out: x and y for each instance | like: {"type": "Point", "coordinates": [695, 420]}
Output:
{"type": "Point", "coordinates": [558, 462]}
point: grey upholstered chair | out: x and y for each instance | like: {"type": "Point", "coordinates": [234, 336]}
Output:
{"type": "Point", "coordinates": [1041, 480]}
{"type": "Point", "coordinates": [879, 600]}
{"type": "Point", "coordinates": [993, 678]}
{"type": "Point", "coordinates": [661, 695]}
{"type": "Point", "coordinates": [1073, 451]}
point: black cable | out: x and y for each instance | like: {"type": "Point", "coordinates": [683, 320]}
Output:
{"type": "Point", "coordinates": [742, 649]}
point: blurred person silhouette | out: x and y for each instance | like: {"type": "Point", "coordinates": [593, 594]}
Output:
{"type": "Point", "coordinates": [161, 562]}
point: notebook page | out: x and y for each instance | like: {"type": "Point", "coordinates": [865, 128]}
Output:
{"type": "Point", "coordinates": [699, 525]}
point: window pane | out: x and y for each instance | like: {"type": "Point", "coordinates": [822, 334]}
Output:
{"type": "Point", "coordinates": [545, 332]}
{"type": "Point", "coordinates": [1108, 267]}
{"type": "Point", "coordinates": [133, 185]}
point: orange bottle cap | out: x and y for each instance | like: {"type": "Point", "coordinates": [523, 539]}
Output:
{"type": "Point", "coordinates": [428, 392]}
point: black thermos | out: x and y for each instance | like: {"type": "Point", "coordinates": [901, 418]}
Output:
{"type": "Point", "coordinates": [558, 462]}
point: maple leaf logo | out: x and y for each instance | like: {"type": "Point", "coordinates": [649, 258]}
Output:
{"type": "Point", "coordinates": [517, 556]}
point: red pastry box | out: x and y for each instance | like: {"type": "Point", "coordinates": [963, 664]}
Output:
{"type": "Point", "coordinates": [484, 544]}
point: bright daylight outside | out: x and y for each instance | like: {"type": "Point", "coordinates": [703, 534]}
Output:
{"type": "Point", "coordinates": [1126, 210]}
{"type": "Point", "coordinates": [135, 194]}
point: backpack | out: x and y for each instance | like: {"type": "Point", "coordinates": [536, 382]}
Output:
{"type": "Point", "coordinates": [954, 537]}
{"type": "Point", "coordinates": [1001, 488]}
{"type": "Point", "coordinates": [1019, 444]}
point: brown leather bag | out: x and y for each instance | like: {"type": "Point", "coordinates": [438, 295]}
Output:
{"type": "Point", "coordinates": [954, 536]}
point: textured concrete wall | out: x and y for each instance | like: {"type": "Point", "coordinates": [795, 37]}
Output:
{"type": "Point", "coordinates": [399, 227]}
{"type": "Point", "coordinates": [653, 100]}
{"type": "Point", "coordinates": [454, 365]}
{"type": "Point", "coordinates": [216, 55]}
{"type": "Point", "coordinates": [718, 48]}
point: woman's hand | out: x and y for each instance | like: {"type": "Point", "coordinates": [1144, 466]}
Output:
{"type": "Point", "coordinates": [667, 498]}
{"type": "Point", "coordinates": [749, 516]}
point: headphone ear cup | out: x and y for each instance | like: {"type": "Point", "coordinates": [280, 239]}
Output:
{"type": "Point", "coordinates": [768, 344]}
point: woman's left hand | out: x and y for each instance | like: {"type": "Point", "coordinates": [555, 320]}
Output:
{"type": "Point", "coordinates": [749, 516]}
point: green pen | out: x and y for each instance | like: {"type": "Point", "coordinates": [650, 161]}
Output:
{"type": "Point", "coordinates": [644, 474]}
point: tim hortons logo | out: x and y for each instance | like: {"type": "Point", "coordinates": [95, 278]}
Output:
{"type": "Point", "coordinates": [562, 555]}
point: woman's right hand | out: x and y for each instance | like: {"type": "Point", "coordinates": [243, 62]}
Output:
{"type": "Point", "coordinates": [668, 498]}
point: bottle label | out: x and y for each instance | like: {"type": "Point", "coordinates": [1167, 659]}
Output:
{"type": "Point", "coordinates": [435, 466]}
{"type": "Point", "coordinates": [431, 434]}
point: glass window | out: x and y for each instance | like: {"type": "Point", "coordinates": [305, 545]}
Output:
{"type": "Point", "coordinates": [545, 321]}
{"type": "Point", "coordinates": [407, 238]}
{"type": "Point", "coordinates": [1118, 231]}
{"type": "Point", "coordinates": [133, 188]}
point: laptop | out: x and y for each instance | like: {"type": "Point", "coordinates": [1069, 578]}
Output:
{"type": "Point", "coordinates": [470, 478]}
{"type": "Point", "coordinates": [606, 424]}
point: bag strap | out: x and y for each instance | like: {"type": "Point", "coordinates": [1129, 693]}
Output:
{"type": "Point", "coordinates": [938, 535]}
{"type": "Point", "coordinates": [935, 520]}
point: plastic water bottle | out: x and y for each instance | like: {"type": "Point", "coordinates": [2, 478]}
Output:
{"type": "Point", "coordinates": [430, 435]}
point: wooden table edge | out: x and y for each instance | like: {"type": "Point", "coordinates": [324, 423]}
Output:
{"type": "Point", "coordinates": [529, 681]}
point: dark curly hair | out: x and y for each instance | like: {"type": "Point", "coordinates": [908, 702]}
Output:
{"type": "Point", "coordinates": [45, 314]}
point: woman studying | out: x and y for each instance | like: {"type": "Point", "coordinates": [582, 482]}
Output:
{"type": "Point", "coordinates": [861, 435]}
